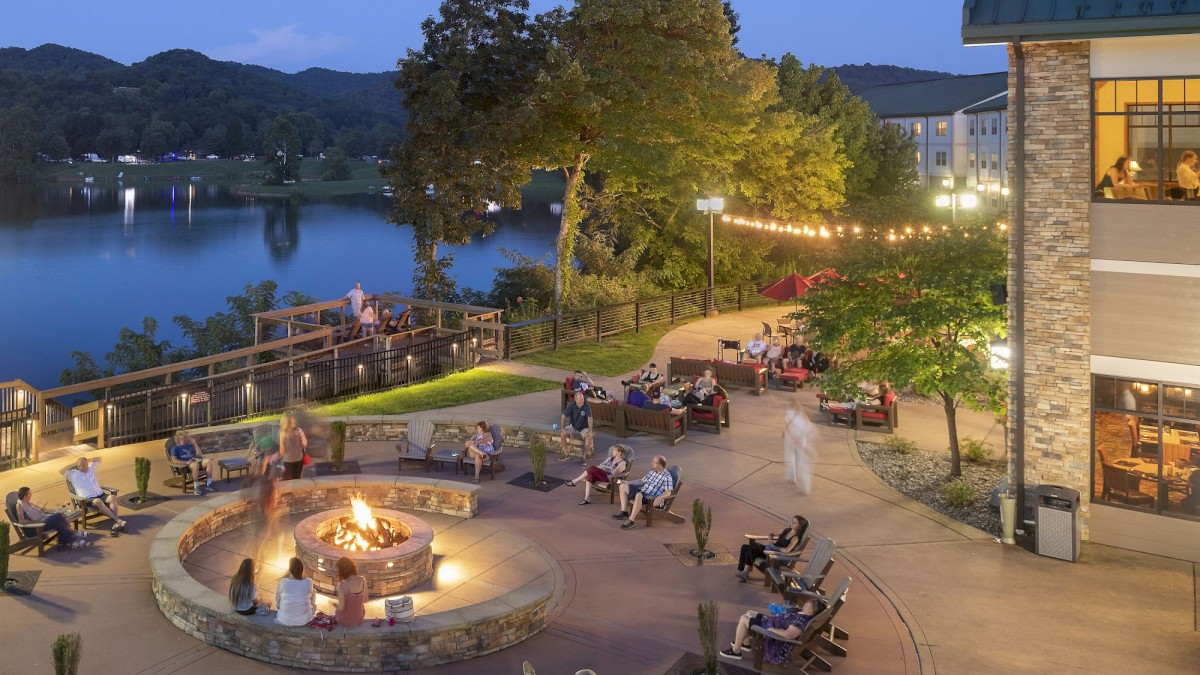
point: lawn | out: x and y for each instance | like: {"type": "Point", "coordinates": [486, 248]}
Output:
{"type": "Point", "coordinates": [458, 389]}
{"type": "Point", "coordinates": [617, 355]}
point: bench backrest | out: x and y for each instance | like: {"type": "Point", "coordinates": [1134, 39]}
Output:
{"type": "Point", "coordinates": [497, 438]}
{"type": "Point", "coordinates": [643, 417]}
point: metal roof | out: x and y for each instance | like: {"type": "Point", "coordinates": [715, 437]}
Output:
{"type": "Point", "coordinates": [934, 97]}
{"type": "Point", "coordinates": [999, 21]}
{"type": "Point", "coordinates": [998, 103]}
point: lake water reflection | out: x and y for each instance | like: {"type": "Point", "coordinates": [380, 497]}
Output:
{"type": "Point", "coordinates": [79, 262]}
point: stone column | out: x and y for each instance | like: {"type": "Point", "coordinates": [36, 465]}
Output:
{"type": "Point", "coordinates": [1057, 243]}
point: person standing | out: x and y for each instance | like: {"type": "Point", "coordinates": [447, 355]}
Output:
{"type": "Point", "coordinates": [355, 296]}
{"type": "Point", "coordinates": [797, 431]}
{"type": "Point", "coordinates": [367, 318]}
{"type": "Point", "coordinates": [82, 477]}
{"type": "Point", "coordinates": [295, 447]}
{"type": "Point", "coordinates": [1185, 173]}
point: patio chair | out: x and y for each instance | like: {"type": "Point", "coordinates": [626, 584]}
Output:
{"type": "Point", "coordinates": [715, 415]}
{"type": "Point", "coordinates": [491, 463]}
{"type": "Point", "coordinates": [819, 633]}
{"type": "Point", "coordinates": [85, 506]}
{"type": "Point", "coordinates": [792, 584]}
{"type": "Point", "coordinates": [30, 534]}
{"type": "Point", "coordinates": [768, 562]}
{"type": "Point", "coordinates": [766, 330]}
{"type": "Point", "coordinates": [417, 446]}
{"type": "Point", "coordinates": [648, 510]}
{"type": "Point", "coordinates": [1121, 486]}
{"type": "Point", "coordinates": [183, 471]}
{"type": "Point", "coordinates": [611, 486]}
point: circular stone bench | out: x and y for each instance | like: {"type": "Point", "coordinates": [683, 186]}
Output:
{"type": "Point", "coordinates": [430, 639]}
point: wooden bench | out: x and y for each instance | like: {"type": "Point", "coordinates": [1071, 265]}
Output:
{"type": "Point", "coordinates": [750, 375]}
{"type": "Point", "coordinates": [661, 422]}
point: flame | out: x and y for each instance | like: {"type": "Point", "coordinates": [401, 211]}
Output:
{"type": "Point", "coordinates": [362, 513]}
{"type": "Point", "coordinates": [362, 531]}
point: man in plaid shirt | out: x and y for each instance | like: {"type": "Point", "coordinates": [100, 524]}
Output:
{"type": "Point", "coordinates": [656, 486]}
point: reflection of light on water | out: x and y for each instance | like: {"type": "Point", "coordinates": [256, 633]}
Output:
{"type": "Point", "coordinates": [191, 197]}
{"type": "Point", "coordinates": [556, 208]}
{"type": "Point", "coordinates": [129, 195]}
{"type": "Point", "coordinates": [449, 573]}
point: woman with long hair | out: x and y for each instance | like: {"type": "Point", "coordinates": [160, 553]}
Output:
{"type": "Point", "coordinates": [351, 594]}
{"type": "Point", "coordinates": [480, 446]}
{"type": "Point", "coordinates": [295, 445]}
{"type": "Point", "coordinates": [616, 462]}
{"type": "Point", "coordinates": [243, 592]}
{"type": "Point", "coordinates": [295, 597]}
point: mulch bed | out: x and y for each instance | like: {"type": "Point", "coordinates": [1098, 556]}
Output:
{"type": "Point", "coordinates": [721, 555]}
{"type": "Point", "coordinates": [350, 466]}
{"type": "Point", "coordinates": [131, 501]}
{"type": "Point", "coordinates": [21, 583]}
{"type": "Point", "coordinates": [690, 663]}
{"type": "Point", "coordinates": [921, 475]}
{"type": "Point", "coordinates": [525, 480]}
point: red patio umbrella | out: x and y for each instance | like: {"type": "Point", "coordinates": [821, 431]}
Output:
{"type": "Point", "coordinates": [827, 274]}
{"type": "Point", "coordinates": [792, 286]}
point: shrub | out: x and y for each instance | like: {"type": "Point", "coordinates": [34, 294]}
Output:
{"type": "Point", "coordinates": [141, 477]}
{"type": "Point", "coordinates": [974, 450]}
{"type": "Point", "coordinates": [900, 444]}
{"type": "Point", "coordinates": [5, 533]}
{"type": "Point", "coordinates": [337, 444]}
{"type": "Point", "coordinates": [959, 493]}
{"type": "Point", "coordinates": [537, 459]}
{"type": "Point", "coordinates": [707, 612]}
{"type": "Point", "coordinates": [702, 523]}
{"type": "Point", "coordinates": [67, 650]}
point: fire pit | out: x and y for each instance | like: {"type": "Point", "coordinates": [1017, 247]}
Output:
{"type": "Point", "coordinates": [393, 550]}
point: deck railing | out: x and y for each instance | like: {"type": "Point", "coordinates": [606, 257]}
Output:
{"type": "Point", "coordinates": [552, 332]}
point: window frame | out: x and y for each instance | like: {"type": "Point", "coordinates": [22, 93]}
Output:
{"type": "Point", "coordinates": [941, 128]}
{"type": "Point", "coordinates": [941, 158]}
{"type": "Point", "coordinates": [915, 129]}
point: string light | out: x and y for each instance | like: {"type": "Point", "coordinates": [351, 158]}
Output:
{"type": "Point", "coordinates": [856, 231]}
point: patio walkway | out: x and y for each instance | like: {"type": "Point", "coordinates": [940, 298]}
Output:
{"type": "Point", "coordinates": [929, 594]}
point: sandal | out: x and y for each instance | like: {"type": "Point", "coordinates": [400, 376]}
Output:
{"type": "Point", "coordinates": [476, 480]}
{"type": "Point", "coordinates": [570, 483]}
{"type": "Point", "coordinates": [584, 502]}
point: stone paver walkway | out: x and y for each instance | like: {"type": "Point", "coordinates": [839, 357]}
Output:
{"type": "Point", "coordinates": [929, 594]}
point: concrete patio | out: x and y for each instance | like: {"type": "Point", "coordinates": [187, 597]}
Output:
{"type": "Point", "coordinates": [929, 594]}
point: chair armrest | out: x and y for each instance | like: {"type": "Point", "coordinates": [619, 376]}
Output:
{"type": "Point", "coordinates": [32, 526]}
{"type": "Point", "coordinates": [786, 557]}
{"type": "Point", "coordinates": [109, 490]}
{"type": "Point", "coordinates": [756, 536]}
{"type": "Point", "coordinates": [766, 632]}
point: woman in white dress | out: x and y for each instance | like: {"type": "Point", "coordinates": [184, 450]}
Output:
{"type": "Point", "coordinates": [797, 432]}
{"type": "Point", "coordinates": [295, 597]}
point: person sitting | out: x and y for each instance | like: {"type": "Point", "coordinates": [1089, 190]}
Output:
{"type": "Point", "coordinates": [187, 451]}
{"type": "Point", "coordinates": [29, 513]}
{"type": "Point", "coordinates": [243, 591]}
{"type": "Point", "coordinates": [756, 349]}
{"type": "Point", "coordinates": [576, 421]}
{"type": "Point", "coordinates": [616, 462]}
{"type": "Point", "coordinates": [646, 381]}
{"type": "Point", "coordinates": [786, 542]}
{"type": "Point", "coordinates": [295, 597]}
{"type": "Point", "coordinates": [351, 594]}
{"type": "Point", "coordinates": [702, 391]}
{"type": "Point", "coordinates": [653, 487]}
{"type": "Point", "coordinates": [789, 626]}
{"type": "Point", "coordinates": [1185, 173]}
{"type": "Point", "coordinates": [481, 446]}
{"type": "Point", "coordinates": [665, 402]}
{"type": "Point", "coordinates": [1116, 176]}
{"type": "Point", "coordinates": [795, 354]}
{"type": "Point", "coordinates": [636, 398]}
{"type": "Point", "coordinates": [583, 382]}
{"type": "Point", "coordinates": [774, 357]}
{"type": "Point", "coordinates": [82, 477]}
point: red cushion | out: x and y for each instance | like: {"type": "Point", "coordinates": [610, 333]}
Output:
{"type": "Point", "coordinates": [702, 414]}
{"type": "Point", "coordinates": [717, 400]}
{"type": "Point", "coordinates": [874, 415]}
{"type": "Point", "coordinates": [569, 383]}
{"type": "Point", "coordinates": [889, 397]}
{"type": "Point", "coordinates": [839, 410]}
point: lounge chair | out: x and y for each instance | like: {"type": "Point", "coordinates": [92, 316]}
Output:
{"type": "Point", "coordinates": [417, 446]}
{"type": "Point", "coordinates": [84, 504]}
{"type": "Point", "coordinates": [29, 534]}
{"type": "Point", "coordinates": [648, 509]}
{"type": "Point", "coordinates": [819, 633]}
{"type": "Point", "coordinates": [768, 562]}
{"type": "Point", "coordinates": [183, 471]}
{"type": "Point", "coordinates": [791, 583]}
{"type": "Point", "coordinates": [611, 486]}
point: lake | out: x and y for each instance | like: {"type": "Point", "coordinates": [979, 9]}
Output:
{"type": "Point", "coordinates": [79, 262]}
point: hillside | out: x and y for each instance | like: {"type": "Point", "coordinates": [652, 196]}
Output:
{"type": "Point", "coordinates": [862, 77]}
{"type": "Point", "coordinates": [181, 100]}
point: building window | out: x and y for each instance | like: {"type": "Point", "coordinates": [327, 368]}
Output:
{"type": "Point", "coordinates": [1146, 445]}
{"type": "Point", "coordinates": [918, 158]}
{"type": "Point", "coordinates": [971, 160]}
{"type": "Point", "coordinates": [940, 128]}
{"type": "Point", "coordinates": [916, 129]}
{"type": "Point", "coordinates": [939, 159]}
{"type": "Point", "coordinates": [995, 164]}
{"type": "Point", "coordinates": [983, 127]}
{"type": "Point", "coordinates": [971, 128]}
{"type": "Point", "coordinates": [995, 126]}
{"type": "Point", "coordinates": [1146, 125]}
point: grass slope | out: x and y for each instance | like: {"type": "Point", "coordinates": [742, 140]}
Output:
{"type": "Point", "coordinates": [457, 389]}
{"type": "Point", "coordinates": [617, 355]}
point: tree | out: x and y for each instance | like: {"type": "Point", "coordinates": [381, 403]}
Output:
{"type": "Point", "coordinates": [18, 142]}
{"type": "Point", "coordinates": [915, 312]}
{"type": "Point", "coordinates": [892, 196]}
{"type": "Point", "coordinates": [158, 138]}
{"type": "Point", "coordinates": [336, 166]}
{"type": "Point", "coordinates": [113, 141]}
{"type": "Point", "coordinates": [234, 137]}
{"type": "Point", "coordinates": [281, 151]}
{"type": "Point", "coordinates": [227, 331]}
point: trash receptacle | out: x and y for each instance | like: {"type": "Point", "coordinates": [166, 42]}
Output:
{"type": "Point", "coordinates": [1057, 515]}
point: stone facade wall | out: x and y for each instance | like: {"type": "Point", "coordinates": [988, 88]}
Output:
{"type": "Point", "coordinates": [452, 433]}
{"type": "Point", "coordinates": [1057, 263]}
{"type": "Point", "coordinates": [428, 640]}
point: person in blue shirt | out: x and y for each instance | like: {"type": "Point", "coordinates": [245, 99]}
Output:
{"type": "Point", "coordinates": [576, 421]}
{"type": "Point", "coordinates": [655, 487]}
{"type": "Point", "coordinates": [187, 451]}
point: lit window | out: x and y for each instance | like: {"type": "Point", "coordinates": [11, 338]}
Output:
{"type": "Point", "coordinates": [995, 164]}
{"type": "Point", "coordinates": [939, 158]}
{"type": "Point", "coordinates": [918, 158]}
{"type": "Point", "coordinates": [916, 129]}
{"type": "Point", "coordinates": [941, 128]}
{"type": "Point", "coordinates": [971, 160]}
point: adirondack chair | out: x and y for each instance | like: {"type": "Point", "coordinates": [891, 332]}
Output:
{"type": "Point", "coordinates": [611, 486]}
{"type": "Point", "coordinates": [818, 633]}
{"type": "Point", "coordinates": [665, 511]}
{"type": "Point", "coordinates": [183, 471]}
{"type": "Point", "coordinates": [492, 463]}
{"type": "Point", "coordinates": [84, 504]}
{"type": "Point", "coordinates": [791, 583]}
{"type": "Point", "coordinates": [30, 534]}
{"type": "Point", "coordinates": [418, 446]}
{"type": "Point", "coordinates": [768, 562]}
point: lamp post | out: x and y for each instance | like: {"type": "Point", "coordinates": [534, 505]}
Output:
{"type": "Point", "coordinates": [712, 206]}
{"type": "Point", "coordinates": [954, 201]}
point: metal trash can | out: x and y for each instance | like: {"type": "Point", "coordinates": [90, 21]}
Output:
{"type": "Point", "coordinates": [1057, 514]}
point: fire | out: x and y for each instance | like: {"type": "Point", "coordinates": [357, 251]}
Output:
{"type": "Point", "coordinates": [362, 531]}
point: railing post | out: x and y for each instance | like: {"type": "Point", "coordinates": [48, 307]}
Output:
{"type": "Point", "coordinates": [739, 297]}
{"type": "Point", "coordinates": [672, 309]}
{"type": "Point", "coordinates": [598, 329]}
{"type": "Point", "coordinates": [101, 426]}
{"type": "Point", "coordinates": [146, 422]}
{"type": "Point", "coordinates": [554, 337]}
{"type": "Point", "coordinates": [637, 317]}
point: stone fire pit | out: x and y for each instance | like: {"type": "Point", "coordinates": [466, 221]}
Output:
{"type": "Point", "coordinates": [388, 571]}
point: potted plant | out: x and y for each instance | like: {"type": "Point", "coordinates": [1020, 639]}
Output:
{"type": "Point", "coordinates": [537, 459]}
{"type": "Point", "coordinates": [141, 477]}
{"type": "Point", "coordinates": [337, 444]}
{"type": "Point", "coordinates": [67, 650]}
{"type": "Point", "coordinates": [702, 524]}
{"type": "Point", "coordinates": [707, 612]}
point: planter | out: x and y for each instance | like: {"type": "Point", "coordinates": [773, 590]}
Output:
{"type": "Point", "coordinates": [1008, 518]}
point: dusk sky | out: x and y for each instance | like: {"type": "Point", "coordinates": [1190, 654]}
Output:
{"type": "Point", "coordinates": [368, 36]}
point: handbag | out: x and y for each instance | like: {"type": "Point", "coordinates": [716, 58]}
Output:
{"type": "Point", "coordinates": [307, 459]}
{"type": "Point", "coordinates": [400, 609]}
